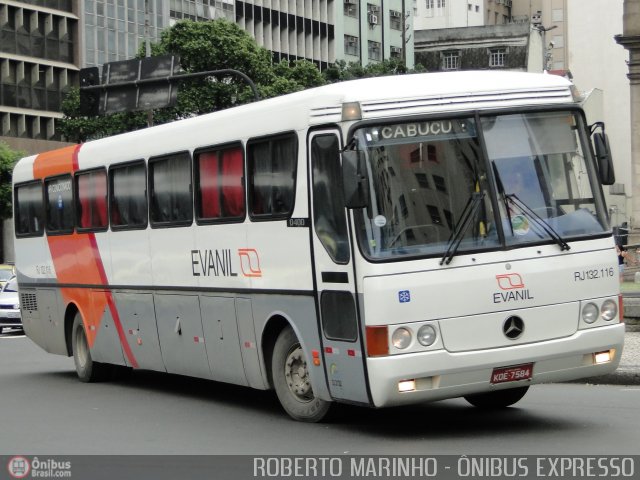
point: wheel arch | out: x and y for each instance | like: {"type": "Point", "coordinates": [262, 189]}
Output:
{"type": "Point", "coordinates": [69, 316]}
{"type": "Point", "coordinates": [272, 329]}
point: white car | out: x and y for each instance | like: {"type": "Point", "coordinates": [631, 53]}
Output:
{"type": "Point", "coordinates": [10, 306]}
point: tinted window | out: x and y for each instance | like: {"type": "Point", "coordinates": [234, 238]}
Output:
{"type": "Point", "coordinates": [272, 168]}
{"type": "Point", "coordinates": [92, 200]}
{"type": "Point", "coordinates": [220, 184]}
{"type": "Point", "coordinates": [29, 210]}
{"type": "Point", "coordinates": [170, 183]}
{"type": "Point", "coordinates": [128, 184]}
{"type": "Point", "coordinates": [328, 204]}
{"type": "Point", "coordinates": [59, 204]}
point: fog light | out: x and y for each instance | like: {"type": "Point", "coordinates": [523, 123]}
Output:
{"type": "Point", "coordinates": [609, 310]}
{"type": "Point", "coordinates": [590, 313]}
{"type": "Point", "coordinates": [401, 338]}
{"type": "Point", "coordinates": [406, 385]}
{"type": "Point", "coordinates": [602, 357]}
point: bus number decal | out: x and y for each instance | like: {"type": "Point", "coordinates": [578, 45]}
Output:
{"type": "Point", "coordinates": [593, 274]}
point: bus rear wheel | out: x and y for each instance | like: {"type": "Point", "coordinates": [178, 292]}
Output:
{"type": "Point", "coordinates": [498, 398]}
{"type": "Point", "coordinates": [87, 370]}
{"type": "Point", "coordinates": [291, 380]}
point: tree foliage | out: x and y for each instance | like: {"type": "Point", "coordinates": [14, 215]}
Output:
{"type": "Point", "coordinates": [216, 45]}
{"type": "Point", "coordinates": [8, 159]}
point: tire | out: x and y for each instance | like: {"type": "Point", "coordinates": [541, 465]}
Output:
{"type": "Point", "coordinates": [291, 380]}
{"type": "Point", "coordinates": [88, 371]}
{"type": "Point", "coordinates": [497, 399]}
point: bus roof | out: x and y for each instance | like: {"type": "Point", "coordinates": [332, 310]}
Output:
{"type": "Point", "coordinates": [379, 97]}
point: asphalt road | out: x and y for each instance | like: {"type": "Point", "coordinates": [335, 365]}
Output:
{"type": "Point", "coordinates": [44, 410]}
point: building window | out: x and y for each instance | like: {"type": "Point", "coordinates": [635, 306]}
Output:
{"type": "Point", "coordinates": [497, 57]}
{"type": "Point", "coordinates": [395, 20]}
{"type": "Point", "coordinates": [442, 3]}
{"type": "Point", "coordinates": [351, 46]}
{"type": "Point", "coordinates": [429, 4]}
{"type": "Point", "coordinates": [375, 50]}
{"type": "Point", "coordinates": [451, 60]}
{"type": "Point", "coordinates": [351, 8]}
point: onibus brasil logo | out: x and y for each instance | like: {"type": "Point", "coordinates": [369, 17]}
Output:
{"type": "Point", "coordinates": [19, 467]}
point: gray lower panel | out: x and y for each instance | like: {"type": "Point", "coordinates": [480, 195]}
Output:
{"type": "Point", "coordinates": [182, 339]}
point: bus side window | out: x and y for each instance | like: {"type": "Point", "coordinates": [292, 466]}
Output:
{"type": "Point", "coordinates": [170, 184]}
{"type": "Point", "coordinates": [220, 184]}
{"type": "Point", "coordinates": [128, 186]}
{"type": "Point", "coordinates": [29, 210]}
{"type": "Point", "coordinates": [91, 188]}
{"type": "Point", "coordinates": [59, 204]}
{"type": "Point", "coordinates": [272, 173]}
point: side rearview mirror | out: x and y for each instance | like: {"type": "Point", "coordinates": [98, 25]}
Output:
{"type": "Point", "coordinates": [603, 158]}
{"type": "Point", "coordinates": [354, 179]}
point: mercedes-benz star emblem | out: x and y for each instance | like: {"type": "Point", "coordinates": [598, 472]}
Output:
{"type": "Point", "coordinates": [513, 327]}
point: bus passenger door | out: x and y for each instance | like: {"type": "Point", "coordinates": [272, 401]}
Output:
{"type": "Point", "coordinates": [333, 269]}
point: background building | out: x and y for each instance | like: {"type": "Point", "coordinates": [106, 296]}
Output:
{"type": "Point", "coordinates": [39, 61]}
{"type": "Point", "coordinates": [550, 16]}
{"type": "Point", "coordinates": [501, 47]}
{"type": "Point", "coordinates": [456, 14]}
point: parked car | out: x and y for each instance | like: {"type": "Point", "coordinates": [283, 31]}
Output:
{"type": "Point", "coordinates": [10, 316]}
{"type": "Point", "coordinates": [6, 272]}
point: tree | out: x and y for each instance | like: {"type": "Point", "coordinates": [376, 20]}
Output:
{"type": "Point", "coordinates": [8, 159]}
{"type": "Point", "coordinates": [216, 45]}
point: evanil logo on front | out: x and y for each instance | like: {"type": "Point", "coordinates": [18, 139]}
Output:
{"type": "Point", "coordinates": [512, 289]}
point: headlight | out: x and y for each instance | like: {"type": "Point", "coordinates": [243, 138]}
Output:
{"type": "Point", "coordinates": [401, 338]}
{"type": "Point", "coordinates": [590, 313]}
{"type": "Point", "coordinates": [427, 335]}
{"type": "Point", "coordinates": [609, 310]}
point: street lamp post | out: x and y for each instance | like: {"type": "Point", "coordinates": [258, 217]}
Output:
{"type": "Point", "coordinates": [545, 59]}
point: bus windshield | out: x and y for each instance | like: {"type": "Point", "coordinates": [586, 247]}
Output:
{"type": "Point", "coordinates": [430, 187]}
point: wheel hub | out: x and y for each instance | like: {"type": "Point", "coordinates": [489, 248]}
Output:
{"type": "Point", "coordinates": [297, 375]}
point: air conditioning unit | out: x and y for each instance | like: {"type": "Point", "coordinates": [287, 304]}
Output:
{"type": "Point", "coordinates": [396, 50]}
{"type": "Point", "coordinates": [373, 19]}
{"type": "Point", "coordinates": [350, 2]}
{"type": "Point", "coordinates": [395, 14]}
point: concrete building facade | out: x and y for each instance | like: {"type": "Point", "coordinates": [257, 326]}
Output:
{"type": "Point", "coordinates": [437, 14]}
{"type": "Point", "coordinates": [515, 47]}
{"type": "Point", "coordinates": [630, 40]}
{"type": "Point", "coordinates": [550, 17]}
{"type": "Point", "coordinates": [39, 62]}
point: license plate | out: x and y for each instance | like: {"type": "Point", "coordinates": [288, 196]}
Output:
{"type": "Point", "coordinates": [512, 374]}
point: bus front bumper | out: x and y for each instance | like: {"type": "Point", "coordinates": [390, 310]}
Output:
{"type": "Point", "coordinates": [440, 374]}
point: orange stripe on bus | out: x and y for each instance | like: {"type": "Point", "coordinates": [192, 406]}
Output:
{"type": "Point", "coordinates": [77, 260]}
{"type": "Point", "coordinates": [56, 162]}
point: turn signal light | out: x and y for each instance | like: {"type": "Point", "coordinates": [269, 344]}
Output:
{"type": "Point", "coordinates": [377, 341]}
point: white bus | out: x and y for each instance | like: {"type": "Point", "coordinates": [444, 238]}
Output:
{"type": "Point", "coordinates": [378, 242]}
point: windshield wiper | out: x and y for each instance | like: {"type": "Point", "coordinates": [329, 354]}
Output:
{"type": "Point", "coordinates": [468, 213]}
{"type": "Point", "coordinates": [536, 219]}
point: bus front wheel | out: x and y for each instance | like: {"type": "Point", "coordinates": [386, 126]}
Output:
{"type": "Point", "coordinates": [498, 398]}
{"type": "Point", "coordinates": [291, 380]}
{"type": "Point", "coordinates": [87, 370]}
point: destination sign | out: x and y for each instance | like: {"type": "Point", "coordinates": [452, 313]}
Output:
{"type": "Point", "coordinates": [435, 130]}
